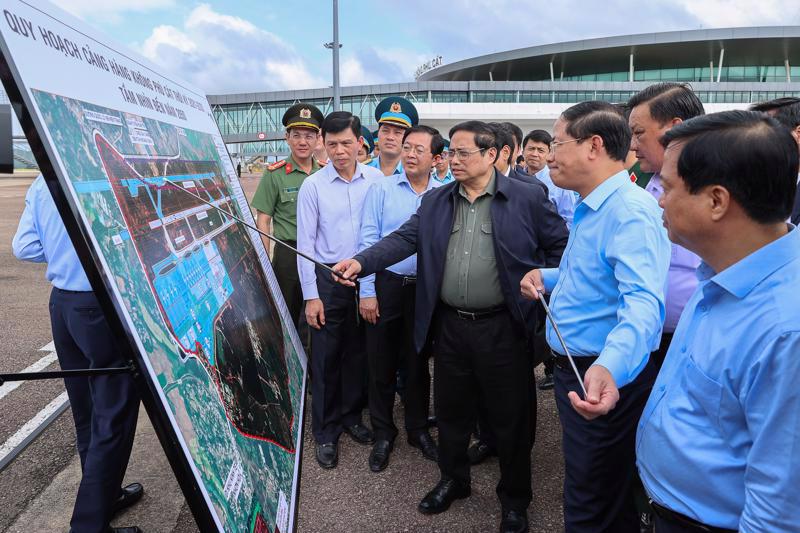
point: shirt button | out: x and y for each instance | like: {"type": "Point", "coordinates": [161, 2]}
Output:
{"type": "Point", "coordinates": [661, 388]}
{"type": "Point", "coordinates": [683, 350]}
{"type": "Point", "coordinates": [466, 253]}
{"type": "Point", "coordinates": [472, 210]}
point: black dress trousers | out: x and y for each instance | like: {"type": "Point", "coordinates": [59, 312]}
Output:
{"type": "Point", "coordinates": [104, 408]}
{"type": "Point", "coordinates": [338, 362]}
{"type": "Point", "coordinates": [600, 455]}
{"type": "Point", "coordinates": [390, 345]}
{"type": "Point", "coordinates": [484, 358]}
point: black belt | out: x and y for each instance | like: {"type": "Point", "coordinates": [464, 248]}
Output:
{"type": "Point", "coordinates": [685, 521]}
{"type": "Point", "coordinates": [404, 280]}
{"type": "Point", "coordinates": [583, 362]}
{"type": "Point", "coordinates": [478, 314]}
{"type": "Point", "coordinates": [72, 292]}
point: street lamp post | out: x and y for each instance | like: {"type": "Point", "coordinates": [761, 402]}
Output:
{"type": "Point", "coordinates": [334, 46]}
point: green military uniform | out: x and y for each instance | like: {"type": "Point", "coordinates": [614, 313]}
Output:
{"type": "Point", "coordinates": [638, 176]}
{"type": "Point", "coordinates": [276, 196]}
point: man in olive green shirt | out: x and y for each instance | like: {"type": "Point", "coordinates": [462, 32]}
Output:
{"type": "Point", "coordinates": [470, 272]}
{"type": "Point", "coordinates": [275, 199]}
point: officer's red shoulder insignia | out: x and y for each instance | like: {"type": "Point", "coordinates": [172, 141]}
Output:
{"type": "Point", "coordinates": [289, 167]}
{"type": "Point", "coordinates": [634, 179]}
{"type": "Point", "coordinates": [276, 166]}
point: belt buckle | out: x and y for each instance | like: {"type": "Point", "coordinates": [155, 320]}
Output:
{"type": "Point", "coordinates": [466, 315]}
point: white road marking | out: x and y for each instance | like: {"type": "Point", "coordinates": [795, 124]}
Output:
{"type": "Point", "coordinates": [49, 347]}
{"type": "Point", "coordinates": [32, 428]}
{"type": "Point", "coordinates": [38, 366]}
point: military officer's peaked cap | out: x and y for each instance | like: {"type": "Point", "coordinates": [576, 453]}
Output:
{"type": "Point", "coordinates": [398, 111]}
{"type": "Point", "coordinates": [369, 140]}
{"type": "Point", "coordinates": [303, 116]}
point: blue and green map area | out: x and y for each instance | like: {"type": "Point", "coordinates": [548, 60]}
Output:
{"type": "Point", "coordinates": [197, 297]}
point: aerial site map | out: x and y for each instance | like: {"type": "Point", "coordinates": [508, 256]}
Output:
{"type": "Point", "coordinates": [197, 297]}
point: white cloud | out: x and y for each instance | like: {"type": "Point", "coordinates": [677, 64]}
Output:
{"type": "Point", "coordinates": [727, 13]}
{"type": "Point", "coordinates": [111, 10]}
{"type": "Point", "coordinates": [367, 66]}
{"type": "Point", "coordinates": [223, 54]}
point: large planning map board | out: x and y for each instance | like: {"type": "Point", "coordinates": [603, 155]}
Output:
{"type": "Point", "coordinates": [133, 159]}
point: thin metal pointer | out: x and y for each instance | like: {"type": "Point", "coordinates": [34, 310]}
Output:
{"type": "Point", "coordinates": [561, 340]}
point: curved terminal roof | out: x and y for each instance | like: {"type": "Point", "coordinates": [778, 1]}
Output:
{"type": "Point", "coordinates": [762, 45]}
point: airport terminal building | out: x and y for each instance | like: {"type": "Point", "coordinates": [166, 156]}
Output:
{"type": "Point", "coordinates": [728, 68]}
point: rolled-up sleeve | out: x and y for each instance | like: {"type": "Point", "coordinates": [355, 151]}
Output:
{"type": "Point", "coordinates": [639, 254]}
{"type": "Point", "coordinates": [307, 220]}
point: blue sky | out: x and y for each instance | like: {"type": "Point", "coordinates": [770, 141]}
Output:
{"type": "Point", "coordinates": [249, 45]}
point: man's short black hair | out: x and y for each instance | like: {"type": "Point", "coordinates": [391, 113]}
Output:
{"type": "Point", "coordinates": [339, 121]}
{"type": "Point", "coordinates": [604, 120]}
{"type": "Point", "coordinates": [483, 136]}
{"type": "Point", "coordinates": [437, 141]}
{"type": "Point", "coordinates": [668, 100]}
{"type": "Point", "coordinates": [538, 136]}
{"type": "Point", "coordinates": [504, 138]}
{"type": "Point", "coordinates": [515, 130]}
{"type": "Point", "coordinates": [785, 110]}
{"type": "Point", "coordinates": [751, 154]}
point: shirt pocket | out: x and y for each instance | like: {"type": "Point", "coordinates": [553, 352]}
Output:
{"type": "Point", "coordinates": [703, 393]}
{"type": "Point", "coordinates": [486, 242]}
{"type": "Point", "coordinates": [288, 195]}
{"type": "Point", "coordinates": [453, 244]}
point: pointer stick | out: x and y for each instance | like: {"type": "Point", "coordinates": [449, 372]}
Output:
{"type": "Point", "coordinates": [561, 340]}
{"type": "Point", "coordinates": [267, 235]}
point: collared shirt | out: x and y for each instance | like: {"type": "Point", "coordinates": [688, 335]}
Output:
{"type": "Point", "coordinates": [276, 196]}
{"type": "Point", "coordinates": [389, 203]}
{"type": "Point", "coordinates": [42, 238]}
{"type": "Point", "coordinates": [329, 219]}
{"type": "Point", "coordinates": [448, 176]}
{"type": "Point", "coordinates": [719, 439]}
{"type": "Point", "coordinates": [375, 162]}
{"type": "Point", "coordinates": [470, 277]}
{"type": "Point", "coordinates": [681, 279]}
{"type": "Point", "coordinates": [608, 292]}
{"type": "Point", "coordinates": [563, 199]}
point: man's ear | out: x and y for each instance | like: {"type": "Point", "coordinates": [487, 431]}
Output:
{"type": "Point", "coordinates": [719, 201]}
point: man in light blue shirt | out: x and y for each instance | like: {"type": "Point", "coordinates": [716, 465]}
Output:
{"type": "Point", "coordinates": [388, 302]}
{"type": "Point", "coordinates": [441, 167]}
{"type": "Point", "coordinates": [104, 408]}
{"type": "Point", "coordinates": [607, 297]}
{"type": "Point", "coordinates": [329, 207]}
{"type": "Point", "coordinates": [718, 442]}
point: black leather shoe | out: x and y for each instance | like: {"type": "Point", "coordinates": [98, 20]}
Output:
{"type": "Point", "coordinates": [379, 457]}
{"type": "Point", "coordinates": [443, 494]}
{"type": "Point", "coordinates": [328, 455]}
{"type": "Point", "coordinates": [546, 383]}
{"type": "Point", "coordinates": [128, 496]}
{"type": "Point", "coordinates": [131, 529]}
{"type": "Point", "coordinates": [425, 443]}
{"type": "Point", "coordinates": [360, 433]}
{"type": "Point", "coordinates": [479, 452]}
{"type": "Point", "coordinates": [514, 522]}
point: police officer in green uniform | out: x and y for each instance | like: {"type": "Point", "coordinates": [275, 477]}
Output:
{"type": "Point", "coordinates": [394, 115]}
{"type": "Point", "coordinates": [275, 199]}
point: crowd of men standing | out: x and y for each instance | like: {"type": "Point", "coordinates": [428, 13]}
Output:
{"type": "Point", "coordinates": [443, 247]}
{"type": "Point", "coordinates": [664, 240]}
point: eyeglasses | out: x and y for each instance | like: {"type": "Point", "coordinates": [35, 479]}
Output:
{"type": "Point", "coordinates": [554, 144]}
{"type": "Point", "coordinates": [419, 149]}
{"type": "Point", "coordinates": [463, 155]}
